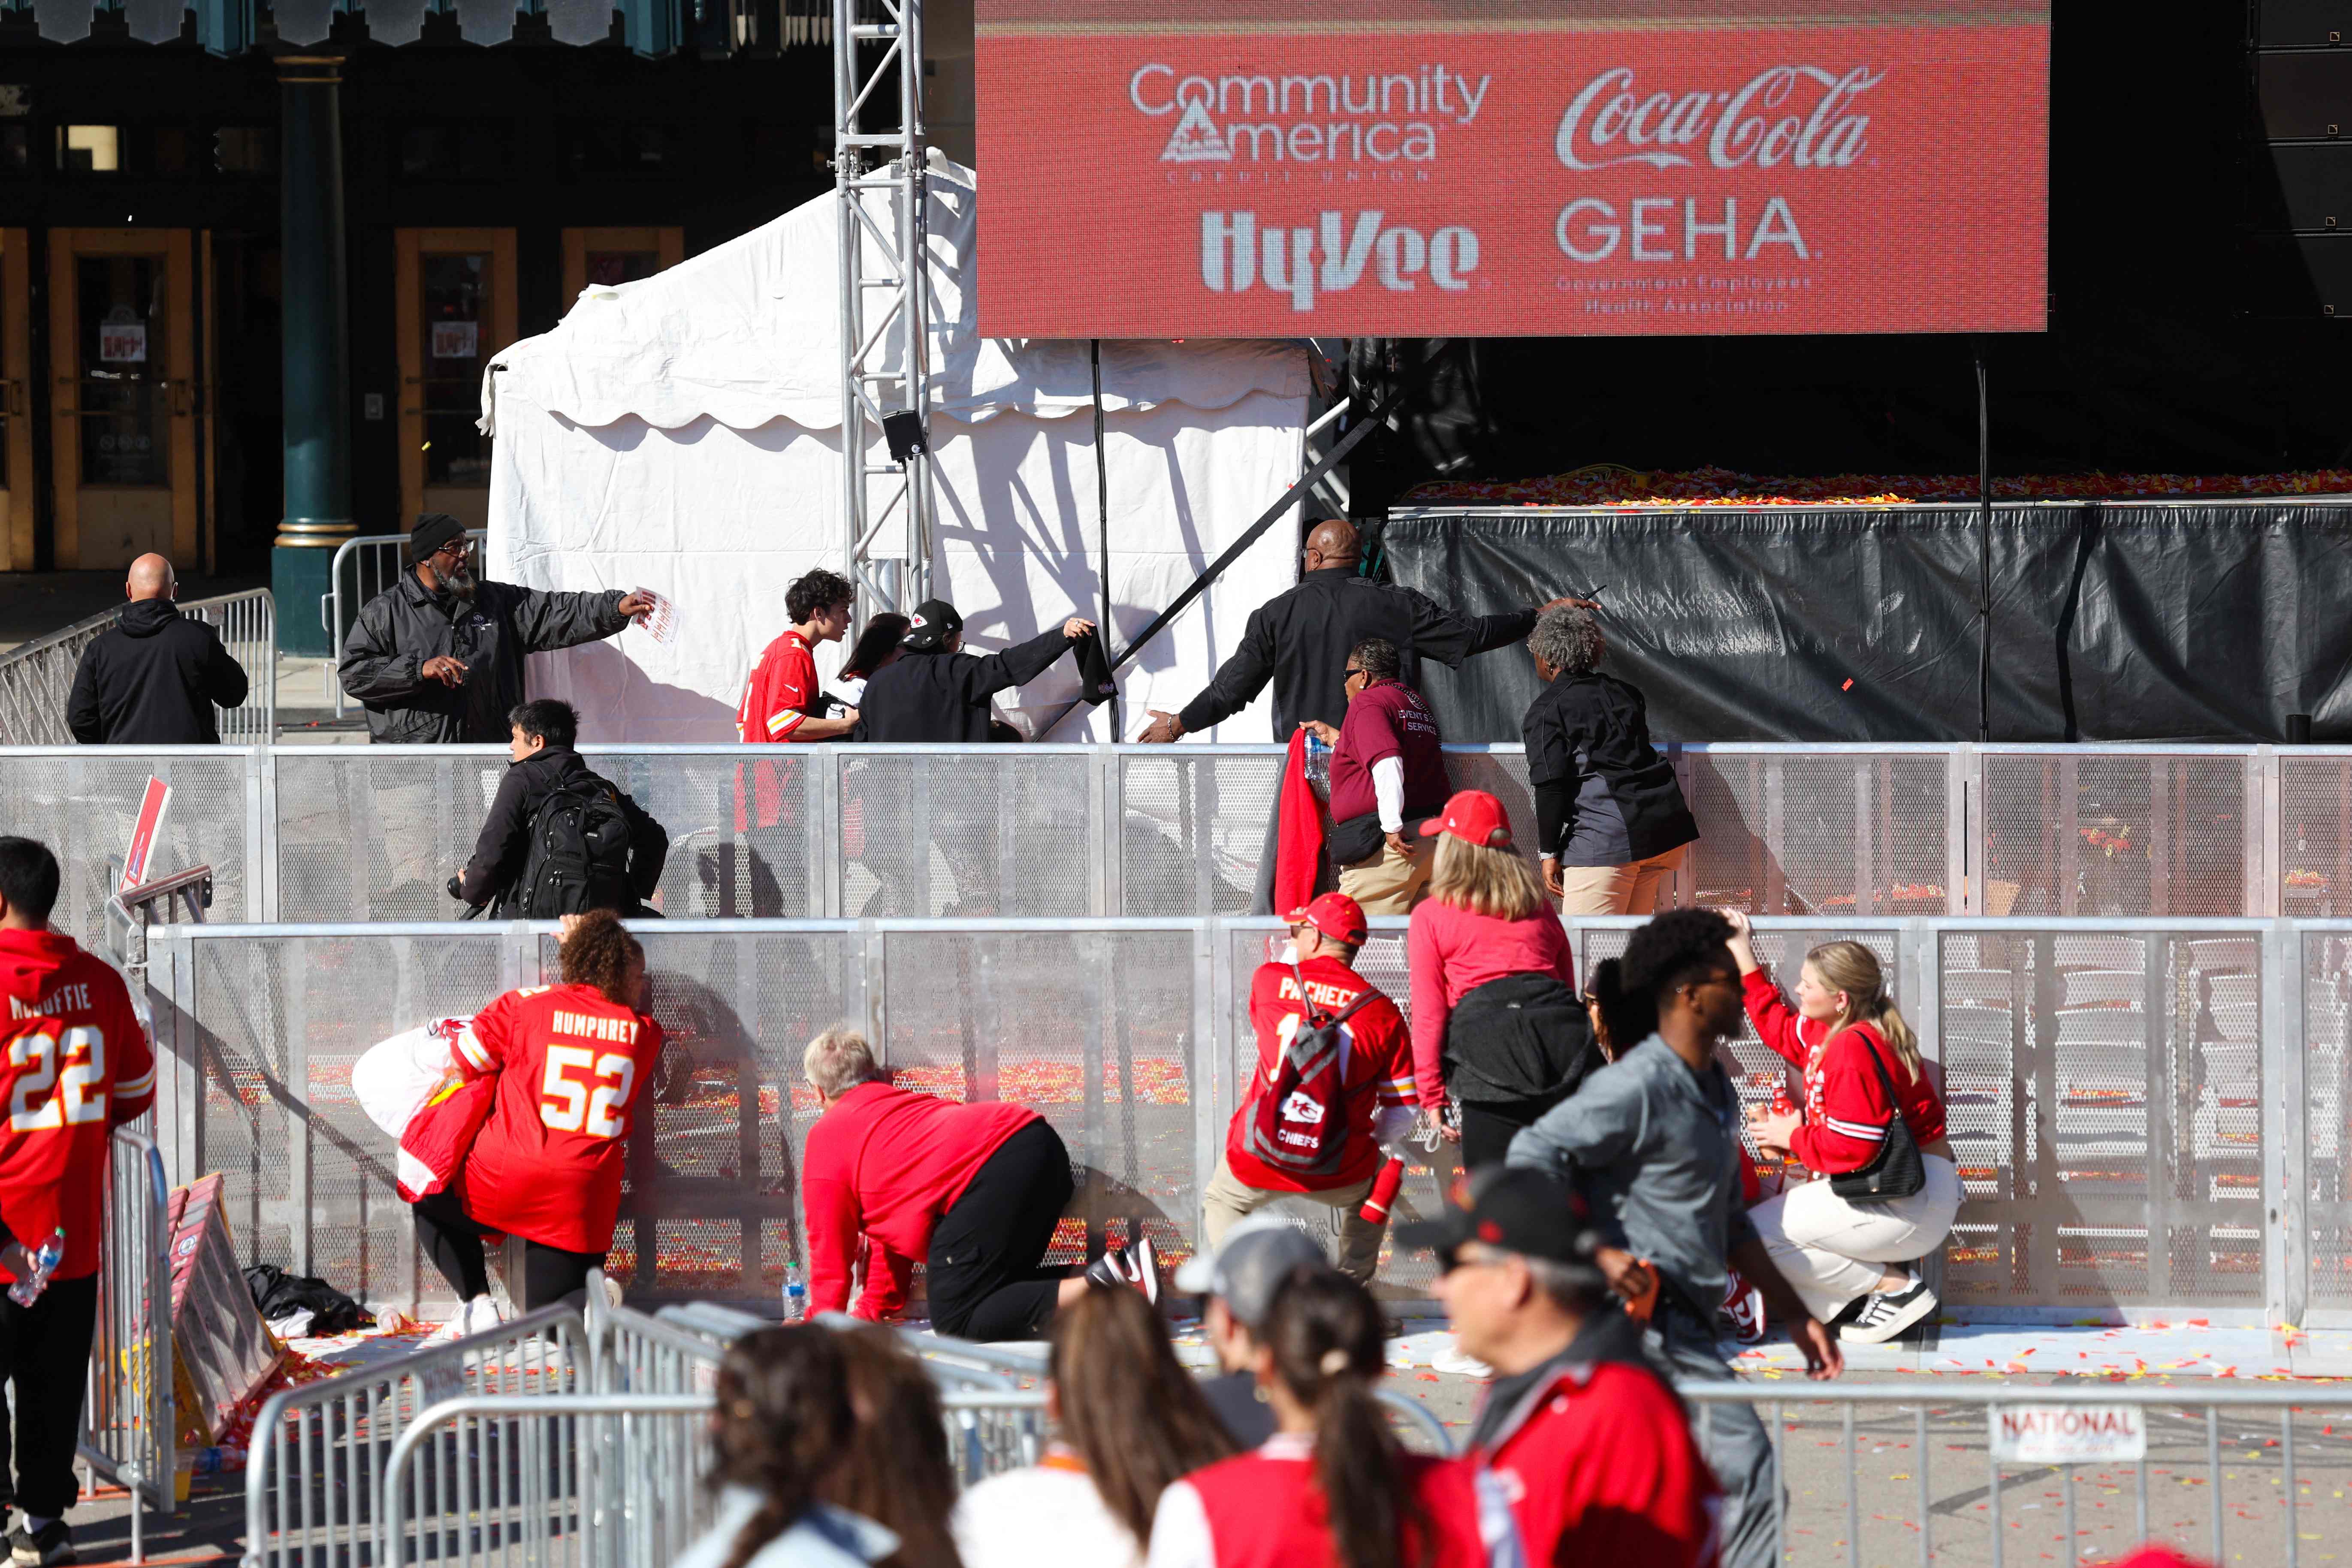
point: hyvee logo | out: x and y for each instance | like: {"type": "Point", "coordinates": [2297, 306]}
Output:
{"type": "Point", "coordinates": [1302, 117]}
{"type": "Point", "coordinates": [1236, 252]}
{"type": "Point", "coordinates": [1800, 115]}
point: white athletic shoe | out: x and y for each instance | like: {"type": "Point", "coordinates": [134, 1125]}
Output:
{"type": "Point", "coordinates": [1143, 1269]}
{"type": "Point", "coordinates": [477, 1316]}
{"type": "Point", "coordinates": [1885, 1313]}
{"type": "Point", "coordinates": [1455, 1360]}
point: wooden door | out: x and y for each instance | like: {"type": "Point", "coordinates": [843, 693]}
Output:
{"type": "Point", "coordinates": [16, 401]}
{"type": "Point", "coordinates": [602, 257]}
{"type": "Point", "coordinates": [122, 353]}
{"type": "Point", "coordinates": [454, 309]}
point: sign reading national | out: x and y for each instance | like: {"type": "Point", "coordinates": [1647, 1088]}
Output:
{"type": "Point", "coordinates": [2068, 1434]}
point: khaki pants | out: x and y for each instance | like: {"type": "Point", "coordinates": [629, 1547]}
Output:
{"type": "Point", "coordinates": [1226, 1200]}
{"type": "Point", "coordinates": [1389, 882]}
{"type": "Point", "coordinates": [1630, 889]}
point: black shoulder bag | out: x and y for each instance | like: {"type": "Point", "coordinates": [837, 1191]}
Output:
{"type": "Point", "coordinates": [1897, 1170]}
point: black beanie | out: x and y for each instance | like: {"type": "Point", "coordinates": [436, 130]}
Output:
{"type": "Point", "coordinates": [433, 530]}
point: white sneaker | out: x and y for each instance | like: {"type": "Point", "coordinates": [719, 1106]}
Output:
{"type": "Point", "coordinates": [611, 1291]}
{"type": "Point", "coordinates": [1885, 1313]}
{"type": "Point", "coordinates": [1453, 1359]}
{"type": "Point", "coordinates": [477, 1316]}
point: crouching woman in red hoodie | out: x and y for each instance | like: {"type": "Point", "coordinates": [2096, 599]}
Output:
{"type": "Point", "coordinates": [1332, 1488]}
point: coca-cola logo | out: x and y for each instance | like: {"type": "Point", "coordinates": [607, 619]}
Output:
{"type": "Point", "coordinates": [1797, 115]}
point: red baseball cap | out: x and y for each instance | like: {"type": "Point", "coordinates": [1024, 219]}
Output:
{"type": "Point", "coordinates": [1335, 915]}
{"type": "Point", "coordinates": [1475, 818]}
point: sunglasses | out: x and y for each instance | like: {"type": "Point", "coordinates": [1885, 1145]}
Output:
{"type": "Point", "coordinates": [1349, 675]}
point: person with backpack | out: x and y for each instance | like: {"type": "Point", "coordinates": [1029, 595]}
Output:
{"type": "Point", "coordinates": [1333, 1085]}
{"type": "Point", "coordinates": [559, 840]}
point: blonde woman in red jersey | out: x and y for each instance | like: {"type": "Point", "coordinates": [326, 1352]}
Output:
{"type": "Point", "coordinates": [571, 1063]}
{"type": "Point", "coordinates": [1332, 1488]}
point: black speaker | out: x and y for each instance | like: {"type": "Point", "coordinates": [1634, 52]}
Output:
{"type": "Point", "coordinates": [2298, 211]}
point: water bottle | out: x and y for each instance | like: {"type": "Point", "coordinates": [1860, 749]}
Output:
{"type": "Point", "coordinates": [25, 1291]}
{"type": "Point", "coordinates": [795, 1294]}
{"type": "Point", "coordinates": [1319, 765]}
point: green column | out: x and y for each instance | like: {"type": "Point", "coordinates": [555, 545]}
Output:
{"type": "Point", "coordinates": [315, 323]}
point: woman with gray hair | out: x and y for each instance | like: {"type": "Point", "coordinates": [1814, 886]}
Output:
{"type": "Point", "coordinates": [1611, 822]}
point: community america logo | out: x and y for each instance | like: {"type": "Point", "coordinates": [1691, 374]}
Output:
{"type": "Point", "coordinates": [1196, 139]}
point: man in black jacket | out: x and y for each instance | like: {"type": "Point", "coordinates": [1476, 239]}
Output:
{"type": "Point", "coordinates": [436, 658]}
{"type": "Point", "coordinates": [935, 693]}
{"type": "Point", "coordinates": [154, 679]}
{"type": "Point", "coordinates": [1300, 639]}
{"type": "Point", "coordinates": [540, 740]}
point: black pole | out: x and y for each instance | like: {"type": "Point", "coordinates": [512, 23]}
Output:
{"type": "Point", "coordinates": [1102, 533]}
{"type": "Point", "coordinates": [1984, 554]}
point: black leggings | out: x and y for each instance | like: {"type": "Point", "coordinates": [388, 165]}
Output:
{"type": "Point", "coordinates": [1489, 1125]}
{"type": "Point", "coordinates": [454, 1242]}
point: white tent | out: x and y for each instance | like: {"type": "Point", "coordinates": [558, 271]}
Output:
{"type": "Point", "coordinates": [682, 434]}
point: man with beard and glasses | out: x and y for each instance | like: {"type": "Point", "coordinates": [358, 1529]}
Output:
{"type": "Point", "coordinates": [436, 658]}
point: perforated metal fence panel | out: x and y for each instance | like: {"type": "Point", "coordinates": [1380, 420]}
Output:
{"type": "Point", "coordinates": [2135, 833]}
{"type": "Point", "coordinates": [1832, 834]}
{"type": "Point", "coordinates": [2326, 982]}
{"type": "Point", "coordinates": [82, 801]}
{"type": "Point", "coordinates": [2105, 1093]}
{"type": "Point", "coordinates": [2314, 835]}
{"type": "Point", "coordinates": [983, 833]}
{"type": "Point", "coordinates": [1192, 827]}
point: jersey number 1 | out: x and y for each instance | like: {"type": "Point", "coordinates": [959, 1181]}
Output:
{"type": "Point", "coordinates": [569, 1105]}
{"type": "Point", "coordinates": [56, 1088]}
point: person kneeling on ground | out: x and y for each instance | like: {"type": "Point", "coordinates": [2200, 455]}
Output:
{"type": "Point", "coordinates": [783, 1427]}
{"type": "Point", "coordinates": [973, 1190]}
{"type": "Point", "coordinates": [1333, 1086]}
{"type": "Point", "coordinates": [559, 840]}
{"type": "Point", "coordinates": [1590, 1445]}
{"type": "Point", "coordinates": [936, 694]}
{"type": "Point", "coordinates": [1237, 1281]}
{"type": "Point", "coordinates": [569, 1063]}
{"type": "Point", "coordinates": [1861, 1070]}
{"type": "Point", "coordinates": [1132, 1422]}
{"type": "Point", "coordinates": [1653, 1142]}
{"type": "Point", "coordinates": [1333, 1486]}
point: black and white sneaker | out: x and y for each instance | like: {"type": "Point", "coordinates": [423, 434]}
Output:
{"type": "Point", "coordinates": [1886, 1313]}
{"type": "Point", "coordinates": [52, 1543]}
{"type": "Point", "coordinates": [1143, 1269]}
{"type": "Point", "coordinates": [1110, 1270]}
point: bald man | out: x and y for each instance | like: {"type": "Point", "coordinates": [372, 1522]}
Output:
{"type": "Point", "coordinates": [1299, 640]}
{"type": "Point", "coordinates": [155, 678]}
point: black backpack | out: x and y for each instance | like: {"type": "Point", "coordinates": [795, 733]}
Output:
{"type": "Point", "coordinates": [579, 857]}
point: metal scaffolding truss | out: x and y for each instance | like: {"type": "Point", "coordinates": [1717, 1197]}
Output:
{"type": "Point", "coordinates": [886, 295]}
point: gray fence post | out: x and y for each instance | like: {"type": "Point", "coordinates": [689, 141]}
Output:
{"type": "Point", "coordinates": [2265, 834]}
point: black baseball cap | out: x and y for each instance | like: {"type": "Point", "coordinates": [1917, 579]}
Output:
{"type": "Point", "coordinates": [929, 627]}
{"type": "Point", "coordinates": [1529, 1212]}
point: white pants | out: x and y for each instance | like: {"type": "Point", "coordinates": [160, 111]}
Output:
{"type": "Point", "coordinates": [1831, 1250]}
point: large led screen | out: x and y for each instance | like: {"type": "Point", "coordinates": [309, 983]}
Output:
{"type": "Point", "coordinates": [1425, 168]}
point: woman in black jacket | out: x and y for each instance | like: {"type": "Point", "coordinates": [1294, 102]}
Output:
{"type": "Point", "coordinates": [1610, 823]}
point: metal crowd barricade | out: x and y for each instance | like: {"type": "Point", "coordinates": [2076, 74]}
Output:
{"type": "Point", "coordinates": [369, 563]}
{"type": "Point", "coordinates": [37, 677]}
{"type": "Point", "coordinates": [321, 1453]}
{"type": "Point", "coordinates": [127, 1414]}
{"type": "Point", "coordinates": [1951, 1413]}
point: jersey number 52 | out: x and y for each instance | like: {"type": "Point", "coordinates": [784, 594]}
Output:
{"type": "Point", "coordinates": [57, 1083]}
{"type": "Point", "coordinates": [596, 1108]}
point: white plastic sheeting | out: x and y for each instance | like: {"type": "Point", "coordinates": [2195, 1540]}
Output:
{"type": "Point", "coordinates": [683, 434]}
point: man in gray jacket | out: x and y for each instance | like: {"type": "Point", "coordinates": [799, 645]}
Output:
{"type": "Point", "coordinates": [1652, 1141]}
{"type": "Point", "coordinates": [436, 658]}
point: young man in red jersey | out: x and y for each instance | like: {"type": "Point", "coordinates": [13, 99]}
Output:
{"type": "Point", "coordinates": [780, 699]}
{"type": "Point", "coordinates": [74, 1065]}
{"type": "Point", "coordinates": [1590, 1444]}
{"type": "Point", "coordinates": [1376, 1100]}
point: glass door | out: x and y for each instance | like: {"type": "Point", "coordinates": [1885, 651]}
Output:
{"type": "Point", "coordinates": [455, 310]}
{"type": "Point", "coordinates": [123, 349]}
{"type": "Point", "coordinates": [16, 390]}
{"type": "Point", "coordinates": [599, 258]}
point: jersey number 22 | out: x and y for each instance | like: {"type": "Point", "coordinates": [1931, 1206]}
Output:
{"type": "Point", "coordinates": [58, 1087]}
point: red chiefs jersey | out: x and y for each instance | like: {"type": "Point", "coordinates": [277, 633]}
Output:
{"type": "Point", "coordinates": [570, 1065]}
{"type": "Point", "coordinates": [1379, 1074]}
{"type": "Point", "coordinates": [1599, 1466]}
{"type": "Point", "coordinates": [1265, 1510]}
{"type": "Point", "coordinates": [1846, 1107]}
{"type": "Point", "coordinates": [780, 693]}
{"type": "Point", "coordinates": [76, 1066]}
